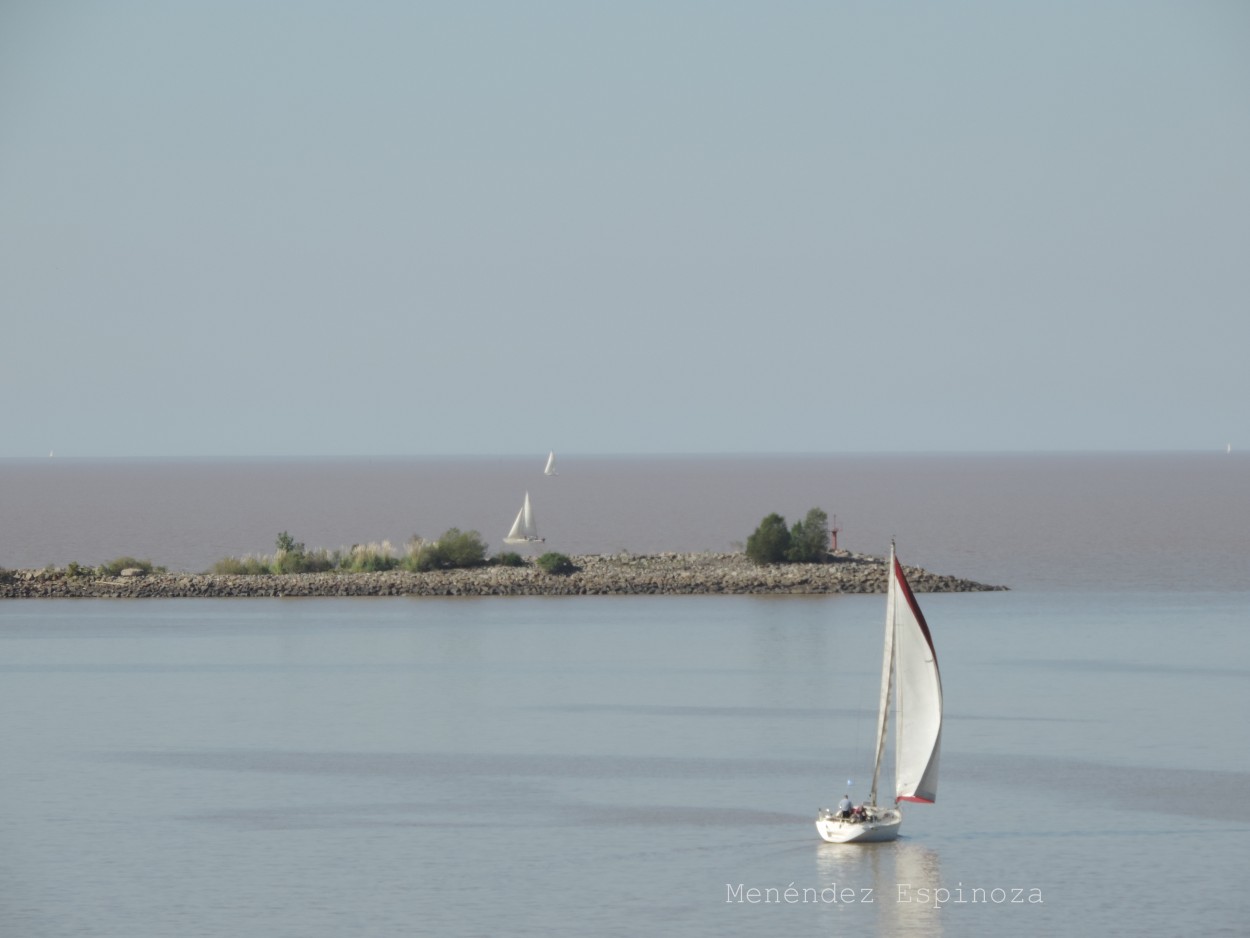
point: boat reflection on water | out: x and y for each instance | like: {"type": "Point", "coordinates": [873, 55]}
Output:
{"type": "Point", "coordinates": [895, 882]}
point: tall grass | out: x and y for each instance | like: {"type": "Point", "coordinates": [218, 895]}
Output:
{"type": "Point", "coordinates": [281, 561]}
{"type": "Point", "coordinates": [368, 558]}
{"type": "Point", "coordinates": [453, 550]}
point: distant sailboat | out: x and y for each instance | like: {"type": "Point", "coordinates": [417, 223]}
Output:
{"type": "Point", "coordinates": [524, 530]}
{"type": "Point", "coordinates": [1228, 447]}
{"type": "Point", "coordinates": [551, 464]}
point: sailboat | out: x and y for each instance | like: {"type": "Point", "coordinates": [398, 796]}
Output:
{"type": "Point", "coordinates": [909, 680]}
{"type": "Point", "coordinates": [550, 469]}
{"type": "Point", "coordinates": [524, 530]}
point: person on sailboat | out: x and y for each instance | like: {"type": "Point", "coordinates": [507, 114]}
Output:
{"type": "Point", "coordinates": [845, 807]}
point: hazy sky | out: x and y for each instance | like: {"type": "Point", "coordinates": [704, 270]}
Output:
{"type": "Point", "coordinates": [298, 228]}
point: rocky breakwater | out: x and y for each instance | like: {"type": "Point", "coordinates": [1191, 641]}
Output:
{"type": "Point", "coordinates": [597, 575]}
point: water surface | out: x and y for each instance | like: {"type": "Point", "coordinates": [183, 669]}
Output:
{"type": "Point", "coordinates": [618, 765]}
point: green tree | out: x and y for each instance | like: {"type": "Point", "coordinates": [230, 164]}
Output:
{"type": "Point", "coordinates": [809, 539]}
{"type": "Point", "coordinates": [291, 557]}
{"type": "Point", "coordinates": [770, 541]}
{"type": "Point", "coordinates": [288, 556]}
{"type": "Point", "coordinates": [286, 544]}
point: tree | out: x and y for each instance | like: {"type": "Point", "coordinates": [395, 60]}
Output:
{"type": "Point", "coordinates": [288, 556]}
{"type": "Point", "coordinates": [770, 541]}
{"type": "Point", "coordinates": [809, 539]}
{"type": "Point", "coordinates": [286, 544]}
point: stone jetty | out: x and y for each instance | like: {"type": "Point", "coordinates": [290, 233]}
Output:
{"type": "Point", "coordinates": [667, 574]}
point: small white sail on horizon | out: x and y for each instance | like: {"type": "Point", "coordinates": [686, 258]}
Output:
{"type": "Point", "coordinates": [550, 468]}
{"type": "Point", "coordinates": [911, 682]}
{"type": "Point", "coordinates": [524, 528]}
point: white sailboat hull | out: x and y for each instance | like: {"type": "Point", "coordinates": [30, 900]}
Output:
{"type": "Point", "coordinates": [837, 830]}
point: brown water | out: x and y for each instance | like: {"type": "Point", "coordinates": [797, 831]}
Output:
{"type": "Point", "coordinates": [1054, 521]}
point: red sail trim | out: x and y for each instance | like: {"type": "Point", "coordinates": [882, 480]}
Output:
{"type": "Point", "coordinates": [915, 608]}
{"type": "Point", "coordinates": [914, 798]}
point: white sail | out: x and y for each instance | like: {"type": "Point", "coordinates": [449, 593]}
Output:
{"type": "Point", "coordinates": [550, 469]}
{"type": "Point", "coordinates": [523, 528]}
{"type": "Point", "coordinates": [887, 684]}
{"type": "Point", "coordinates": [918, 706]}
{"type": "Point", "coordinates": [515, 535]}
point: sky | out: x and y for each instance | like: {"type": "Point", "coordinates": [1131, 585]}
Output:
{"type": "Point", "coordinates": [465, 227]}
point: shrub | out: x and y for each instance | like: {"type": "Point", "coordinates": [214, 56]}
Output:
{"type": "Point", "coordinates": [242, 566]}
{"type": "Point", "coordinates": [290, 556]}
{"type": "Point", "coordinates": [455, 549]}
{"type": "Point", "coordinates": [287, 561]}
{"type": "Point", "coordinates": [116, 566]}
{"type": "Point", "coordinates": [317, 561]}
{"type": "Point", "coordinates": [770, 541]}
{"type": "Point", "coordinates": [551, 562]}
{"type": "Point", "coordinates": [509, 558]}
{"type": "Point", "coordinates": [462, 548]}
{"type": "Point", "coordinates": [281, 562]}
{"type": "Point", "coordinates": [422, 555]}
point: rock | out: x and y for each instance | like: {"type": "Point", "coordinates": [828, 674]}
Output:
{"type": "Point", "coordinates": [597, 575]}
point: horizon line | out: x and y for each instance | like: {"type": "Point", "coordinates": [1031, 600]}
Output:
{"type": "Point", "coordinates": [637, 454]}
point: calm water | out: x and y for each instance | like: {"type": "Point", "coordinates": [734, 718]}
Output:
{"type": "Point", "coordinates": [1153, 521]}
{"type": "Point", "coordinates": [634, 766]}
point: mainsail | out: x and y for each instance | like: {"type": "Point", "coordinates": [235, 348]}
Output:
{"type": "Point", "coordinates": [909, 675]}
{"type": "Point", "coordinates": [523, 528]}
{"type": "Point", "coordinates": [918, 713]}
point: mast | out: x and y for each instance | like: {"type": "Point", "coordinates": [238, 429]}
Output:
{"type": "Point", "coordinates": [887, 676]}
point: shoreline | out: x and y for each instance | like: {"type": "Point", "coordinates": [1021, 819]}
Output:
{"type": "Point", "coordinates": [667, 574]}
